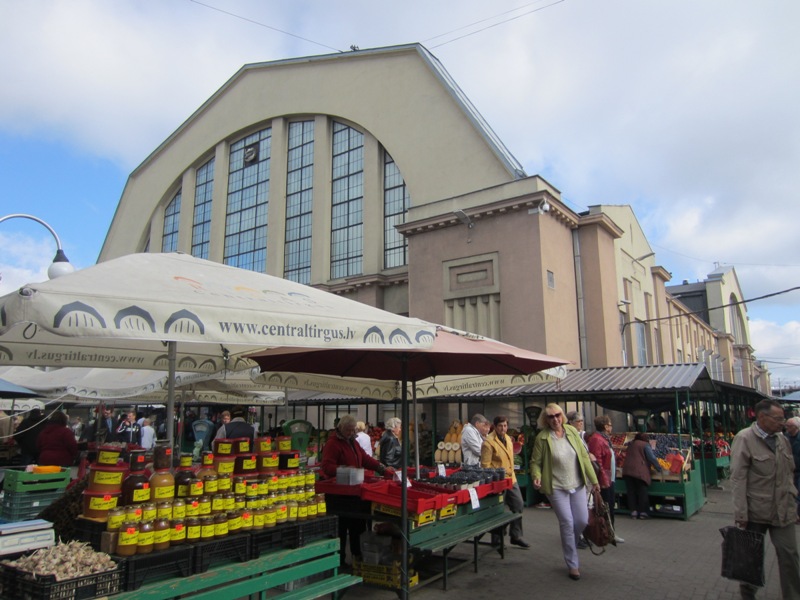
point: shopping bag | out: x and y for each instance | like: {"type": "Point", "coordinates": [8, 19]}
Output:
{"type": "Point", "coordinates": [743, 555]}
{"type": "Point", "coordinates": [599, 532]}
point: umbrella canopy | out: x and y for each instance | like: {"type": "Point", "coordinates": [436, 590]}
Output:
{"type": "Point", "coordinates": [120, 313]}
{"type": "Point", "coordinates": [452, 353]}
{"type": "Point", "coordinates": [12, 390]}
{"type": "Point", "coordinates": [179, 313]}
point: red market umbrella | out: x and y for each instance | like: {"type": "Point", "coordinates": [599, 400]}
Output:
{"type": "Point", "coordinates": [452, 353]}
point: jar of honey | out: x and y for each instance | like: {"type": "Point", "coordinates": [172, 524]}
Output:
{"type": "Point", "coordinates": [146, 538]}
{"type": "Point", "coordinates": [162, 483]}
{"type": "Point", "coordinates": [192, 530]}
{"type": "Point", "coordinates": [207, 528]}
{"type": "Point", "coordinates": [161, 534]}
{"type": "Point", "coordinates": [177, 532]}
{"type": "Point", "coordinates": [128, 539]}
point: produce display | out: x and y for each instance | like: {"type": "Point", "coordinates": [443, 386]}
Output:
{"type": "Point", "coordinates": [716, 448]}
{"type": "Point", "coordinates": [673, 451]}
{"type": "Point", "coordinates": [64, 561]}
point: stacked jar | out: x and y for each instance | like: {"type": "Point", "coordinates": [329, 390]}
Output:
{"type": "Point", "coordinates": [105, 483]}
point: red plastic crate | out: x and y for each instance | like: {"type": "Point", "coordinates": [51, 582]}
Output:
{"type": "Point", "coordinates": [389, 493]}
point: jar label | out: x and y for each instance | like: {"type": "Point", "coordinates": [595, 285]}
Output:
{"type": "Point", "coordinates": [225, 467]}
{"type": "Point", "coordinates": [258, 519]}
{"type": "Point", "coordinates": [196, 489]}
{"type": "Point", "coordinates": [293, 512]}
{"type": "Point", "coordinates": [224, 448]}
{"type": "Point", "coordinates": [240, 488]}
{"type": "Point", "coordinates": [210, 486]}
{"type": "Point", "coordinates": [103, 478]}
{"type": "Point", "coordinates": [321, 508]}
{"type": "Point", "coordinates": [102, 503]}
{"type": "Point", "coordinates": [128, 537]}
{"type": "Point", "coordinates": [193, 532]}
{"type": "Point", "coordinates": [293, 462]}
{"type": "Point", "coordinates": [142, 495]}
{"type": "Point", "coordinates": [165, 492]}
{"type": "Point", "coordinates": [302, 512]}
{"type": "Point", "coordinates": [271, 517]}
{"type": "Point", "coordinates": [134, 515]}
{"type": "Point", "coordinates": [270, 460]}
{"type": "Point", "coordinates": [114, 521]}
{"type": "Point", "coordinates": [207, 531]}
{"type": "Point", "coordinates": [107, 458]}
{"type": "Point", "coordinates": [161, 536]}
{"type": "Point", "coordinates": [146, 538]}
{"type": "Point", "coordinates": [224, 484]}
{"type": "Point", "coordinates": [312, 510]}
{"type": "Point", "coordinates": [178, 511]}
{"type": "Point", "coordinates": [284, 444]}
{"type": "Point", "coordinates": [148, 514]}
{"type": "Point", "coordinates": [177, 533]}
{"type": "Point", "coordinates": [183, 491]}
{"type": "Point", "coordinates": [164, 513]}
{"type": "Point", "coordinates": [221, 529]}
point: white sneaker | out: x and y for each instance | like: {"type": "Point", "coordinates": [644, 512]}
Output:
{"type": "Point", "coordinates": [619, 540]}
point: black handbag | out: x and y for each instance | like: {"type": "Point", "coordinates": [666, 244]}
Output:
{"type": "Point", "coordinates": [599, 533]}
{"type": "Point", "coordinates": [743, 555]}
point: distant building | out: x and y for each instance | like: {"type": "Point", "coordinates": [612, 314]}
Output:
{"type": "Point", "coordinates": [371, 175]}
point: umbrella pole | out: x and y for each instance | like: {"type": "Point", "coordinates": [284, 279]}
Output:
{"type": "Point", "coordinates": [172, 352]}
{"type": "Point", "coordinates": [403, 483]}
{"type": "Point", "coordinates": [416, 429]}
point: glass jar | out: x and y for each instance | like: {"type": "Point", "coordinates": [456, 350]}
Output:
{"type": "Point", "coordinates": [247, 520]}
{"type": "Point", "coordinates": [224, 483]}
{"type": "Point", "coordinates": [263, 486]}
{"type": "Point", "coordinates": [136, 461]}
{"type": "Point", "coordinates": [239, 486]}
{"type": "Point", "coordinates": [220, 525]}
{"type": "Point", "coordinates": [322, 508]}
{"type": "Point", "coordinates": [177, 532]}
{"type": "Point", "coordinates": [185, 460]}
{"type": "Point", "coordinates": [192, 529]}
{"type": "Point", "coordinates": [273, 484]}
{"type": "Point", "coordinates": [116, 517]}
{"type": "Point", "coordinates": [162, 482]}
{"type": "Point", "coordinates": [229, 502]}
{"type": "Point", "coordinates": [136, 488]}
{"type": "Point", "coordinates": [281, 513]}
{"type": "Point", "coordinates": [193, 507]}
{"type": "Point", "coordinates": [133, 513]}
{"type": "Point", "coordinates": [207, 465]}
{"type": "Point", "coordinates": [271, 516]}
{"type": "Point", "coordinates": [239, 501]}
{"type": "Point", "coordinates": [258, 518]}
{"type": "Point", "coordinates": [311, 509]}
{"type": "Point", "coordinates": [146, 538]}
{"type": "Point", "coordinates": [217, 504]}
{"type": "Point", "coordinates": [207, 528]}
{"type": "Point", "coordinates": [128, 538]}
{"type": "Point", "coordinates": [234, 521]}
{"type": "Point", "coordinates": [210, 484]}
{"type": "Point", "coordinates": [162, 456]}
{"type": "Point", "coordinates": [205, 505]}
{"type": "Point", "coordinates": [164, 510]}
{"type": "Point", "coordinates": [149, 511]}
{"type": "Point", "coordinates": [161, 534]}
{"type": "Point", "coordinates": [291, 511]}
{"type": "Point", "coordinates": [178, 509]}
{"type": "Point", "coordinates": [302, 510]}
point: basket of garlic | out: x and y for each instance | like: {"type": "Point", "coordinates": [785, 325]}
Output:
{"type": "Point", "coordinates": [66, 571]}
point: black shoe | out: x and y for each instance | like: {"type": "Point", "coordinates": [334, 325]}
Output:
{"type": "Point", "coordinates": [520, 542]}
{"type": "Point", "coordinates": [582, 545]}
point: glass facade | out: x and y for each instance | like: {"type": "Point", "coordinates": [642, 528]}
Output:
{"type": "Point", "coordinates": [201, 226]}
{"type": "Point", "coordinates": [396, 202]}
{"type": "Point", "coordinates": [299, 202]}
{"type": "Point", "coordinates": [347, 202]}
{"type": "Point", "coordinates": [172, 217]}
{"type": "Point", "coordinates": [248, 198]}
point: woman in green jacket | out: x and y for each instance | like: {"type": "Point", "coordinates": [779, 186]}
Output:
{"type": "Point", "coordinates": [561, 469]}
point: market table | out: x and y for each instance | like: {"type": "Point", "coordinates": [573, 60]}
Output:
{"type": "Point", "coordinates": [258, 575]}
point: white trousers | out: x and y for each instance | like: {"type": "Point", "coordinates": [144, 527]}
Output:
{"type": "Point", "coordinates": [572, 512]}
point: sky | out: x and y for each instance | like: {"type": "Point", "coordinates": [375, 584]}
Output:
{"type": "Point", "coordinates": [686, 110]}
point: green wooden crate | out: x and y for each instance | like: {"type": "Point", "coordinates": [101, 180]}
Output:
{"type": "Point", "coordinates": [17, 480]}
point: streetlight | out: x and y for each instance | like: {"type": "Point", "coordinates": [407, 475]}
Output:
{"type": "Point", "coordinates": [61, 265]}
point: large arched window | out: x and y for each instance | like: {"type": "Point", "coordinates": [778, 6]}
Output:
{"type": "Point", "coordinates": [201, 227]}
{"type": "Point", "coordinates": [248, 198]}
{"type": "Point", "coordinates": [172, 217]}
{"type": "Point", "coordinates": [395, 206]}
{"type": "Point", "coordinates": [347, 202]}
{"type": "Point", "coordinates": [299, 202]}
{"type": "Point", "coordinates": [737, 322]}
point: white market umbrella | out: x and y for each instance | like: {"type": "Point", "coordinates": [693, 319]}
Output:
{"type": "Point", "coordinates": [175, 312]}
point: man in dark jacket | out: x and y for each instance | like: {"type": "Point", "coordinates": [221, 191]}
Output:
{"type": "Point", "coordinates": [26, 435]}
{"type": "Point", "coordinates": [792, 434]}
{"type": "Point", "coordinates": [237, 428]}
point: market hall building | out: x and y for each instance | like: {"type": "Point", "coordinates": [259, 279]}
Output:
{"type": "Point", "coordinates": [371, 175]}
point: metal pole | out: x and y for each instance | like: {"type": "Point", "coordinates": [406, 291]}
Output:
{"type": "Point", "coordinates": [172, 352]}
{"type": "Point", "coordinates": [404, 528]}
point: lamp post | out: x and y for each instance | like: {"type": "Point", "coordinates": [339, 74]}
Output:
{"type": "Point", "coordinates": [61, 265]}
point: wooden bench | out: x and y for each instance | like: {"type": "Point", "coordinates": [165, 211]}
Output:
{"type": "Point", "coordinates": [236, 580]}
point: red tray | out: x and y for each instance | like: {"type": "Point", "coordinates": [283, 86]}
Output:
{"type": "Point", "coordinates": [329, 486]}
{"type": "Point", "coordinates": [389, 493]}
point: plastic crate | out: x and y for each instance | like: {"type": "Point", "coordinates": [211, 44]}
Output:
{"type": "Point", "coordinates": [235, 548]}
{"type": "Point", "coordinates": [21, 506]}
{"type": "Point", "coordinates": [270, 539]}
{"type": "Point", "coordinates": [388, 493]}
{"type": "Point", "coordinates": [165, 564]}
{"type": "Point", "coordinates": [383, 575]}
{"type": "Point", "coordinates": [317, 529]}
{"type": "Point", "coordinates": [17, 586]}
{"type": "Point", "coordinates": [90, 531]}
{"type": "Point", "coordinates": [17, 480]}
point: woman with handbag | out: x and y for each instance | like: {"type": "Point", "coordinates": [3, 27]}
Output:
{"type": "Point", "coordinates": [561, 468]}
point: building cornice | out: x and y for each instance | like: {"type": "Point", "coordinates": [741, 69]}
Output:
{"type": "Point", "coordinates": [351, 284]}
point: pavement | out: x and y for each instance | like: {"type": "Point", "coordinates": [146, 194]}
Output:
{"type": "Point", "coordinates": [661, 558]}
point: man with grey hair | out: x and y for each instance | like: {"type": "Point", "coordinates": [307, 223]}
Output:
{"type": "Point", "coordinates": [764, 494]}
{"type": "Point", "coordinates": [472, 437]}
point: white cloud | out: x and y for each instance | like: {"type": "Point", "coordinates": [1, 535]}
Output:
{"type": "Point", "coordinates": [780, 345]}
{"type": "Point", "coordinates": [23, 259]}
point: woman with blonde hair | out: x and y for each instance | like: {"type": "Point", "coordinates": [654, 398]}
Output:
{"type": "Point", "coordinates": [561, 468]}
{"type": "Point", "coordinates": [362, 437]}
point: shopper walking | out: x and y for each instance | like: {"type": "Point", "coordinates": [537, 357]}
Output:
{"type": "Point", "coordinates": [561, 468]}
{"type": "Point", "coordinates": [764, 494]}
{"type": "Point", "coordinates": [636, 472]}
{"type": "Point", "coordinates": [600, 447]}
{"type": "Point", "coordinates": [498, 452]}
